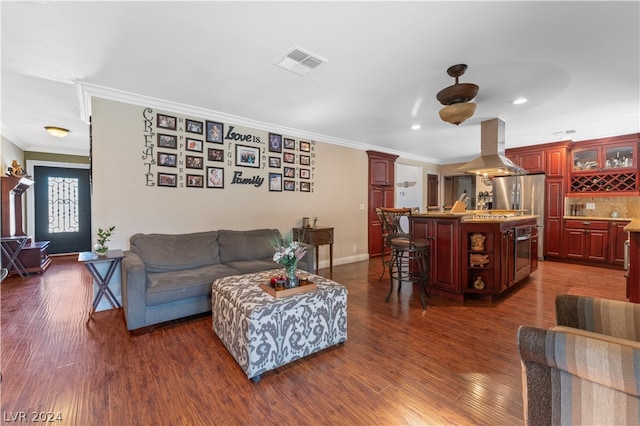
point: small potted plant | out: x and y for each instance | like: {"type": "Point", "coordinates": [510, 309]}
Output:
{"type": "Point", "coordinates": [101, 247]}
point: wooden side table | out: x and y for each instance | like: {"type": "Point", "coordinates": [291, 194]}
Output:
{"type": "Point", "coordinates": [89, 258]}
{"type": "Point", "coordinates": [316, 237]}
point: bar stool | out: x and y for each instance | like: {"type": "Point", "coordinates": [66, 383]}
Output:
{"type": "Point", "coordinates": [410, 256]}
{"type": "Point", "coordinates": [386, 241]}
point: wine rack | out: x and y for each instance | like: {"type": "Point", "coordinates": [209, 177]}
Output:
{"type": "Point", "coordinates": [604, 182]}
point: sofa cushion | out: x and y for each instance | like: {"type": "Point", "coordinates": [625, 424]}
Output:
{"type": "Point", "coordinates": [166, 287]}
{"type": "Point", "coordinates": [250, 266]}
{"type": "Point", "coordinates": [247, 245]}
{"type": "Point", "coordinates": [174, 252]}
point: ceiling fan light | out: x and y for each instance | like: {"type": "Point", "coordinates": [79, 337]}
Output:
{"type": "Point", "coordinates": [457, 113]}
{"type": "Point", "coordinates": [58, 132]}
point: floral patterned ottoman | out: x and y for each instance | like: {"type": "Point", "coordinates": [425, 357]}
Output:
{"type": "Point", "coordinates": [263, 332]}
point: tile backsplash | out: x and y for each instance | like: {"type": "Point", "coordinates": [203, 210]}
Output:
{"type": "Point", "coordinates": [627, 207]}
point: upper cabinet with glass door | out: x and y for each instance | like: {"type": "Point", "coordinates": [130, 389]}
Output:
{"type": "Point", "coordinates": [604, 157]}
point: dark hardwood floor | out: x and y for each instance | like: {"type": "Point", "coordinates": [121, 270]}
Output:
{"type": "Point", "coordinates": [454, 363]}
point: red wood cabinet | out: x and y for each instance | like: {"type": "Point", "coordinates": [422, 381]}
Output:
{"type": "Point", "coordinates": [554, 209]}
{"type": "Point", "coordinates": [617, 237]}
{"type": "Point", "coordinates": [586, 240]}
{"type": "Point", "coordinates": [444, 235]}
{"type": "Point", "coordinates": [381, 194]}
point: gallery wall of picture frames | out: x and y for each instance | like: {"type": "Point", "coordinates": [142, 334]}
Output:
{"type": "Point", "coordinates": [184, 152]}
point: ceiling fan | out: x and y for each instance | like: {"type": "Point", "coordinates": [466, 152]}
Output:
{"type": "Point", "coordinates": [457, 98]}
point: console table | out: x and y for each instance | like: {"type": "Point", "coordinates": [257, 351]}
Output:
{"type": "Point", "coordinates": [90, 259]}
{"type": "Point", "coordinates": [316, 237]}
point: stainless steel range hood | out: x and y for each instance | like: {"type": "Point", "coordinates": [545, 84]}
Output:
{"type": "Point", "coordinates": [492, 161]}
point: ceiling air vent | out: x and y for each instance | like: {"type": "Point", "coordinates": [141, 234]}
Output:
{"type": "Point", "coordinates": [299, 61]}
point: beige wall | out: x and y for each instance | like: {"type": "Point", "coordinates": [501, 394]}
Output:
{"type": "Point", "coordinates": [122, 198]}
{"type": "Point", "coordinates": [8, 153]}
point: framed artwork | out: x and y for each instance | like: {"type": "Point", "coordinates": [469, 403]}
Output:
{"type": "Point", "coordinates": [214, 132]}
{"type": "Point", "coordinates": [195, 181]}
{"type": "Point", "coordinates": [289, 157]}
{"type": "Point", "coordinates": [289, 185]}
{"type": "Point", "coordinates": [305, 186]}
{"type": "Point", "coordinates": [289, 172]}
{"type": "Point", "coordinates": [275, 142]}
{"type": "Point", "coordinates": [194, 145]}
{"type": "Point", "coordinates": [275, 182]}
{"type": "Point", "coordinates": [194, 126]}
{"type": "Point", "coordinates": [167, 159]}
{"type": "Point", "coordinates": [289, 144]}
{"type": "Point", "coordinates": [305, 160]}
{"type": "Point", "coordinates": [215, 177]}
{"type": "Point", "coordinates": [194, 162]}
{"type": "Point", "coordinates": [274, 162]}
{"type": "Point", "coordinates": [305, 146]}
{"type": "Point", "coordinates": [247, 156]}
{"type": "Point", "coordinates": [305, 174]}
{"type": "Point", "coordinates": [167, 179]}
{"type": "Point", "coordinates": [167, 122]}
{"type": "Point", "coordinates": [215, 154]}
{"type": "Point", "coordinates": [167, 141]}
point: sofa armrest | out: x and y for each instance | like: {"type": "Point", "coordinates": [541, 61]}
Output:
{"type": "Point", "coordinates": [309, 257]}
{"type": "Point", "coordinates": [611, 317]}
{"type": "Point", "coordinates": [134, 285]}
{"type": "Point", "coordinates": [562, 362]}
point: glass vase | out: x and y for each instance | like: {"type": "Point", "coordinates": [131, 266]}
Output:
{"type": "Point", "coordinates": [292, 278]}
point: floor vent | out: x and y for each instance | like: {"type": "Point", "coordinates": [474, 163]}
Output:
{"type": "Point", "coordinates": [299, 61]}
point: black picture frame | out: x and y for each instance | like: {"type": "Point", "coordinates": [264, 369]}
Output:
{"type": "Point", "coordinates": [194, 162]}
{"type": "Point", "coordinates": [215, 154]}
{"type": "Point", "coordinates": [275, 142]}
{"type": "Point", "coordinates": [194, 145]}
{"type": "Point", "coordinates": [215, 177]}
{"type": "Point", "coordinates": [305, 186]}
{"type": "Point", "coordinates": [305, 160]}
{"type": "Point", "coordinates": [275, 182]}
{"type": "Point", "coordinates": [289, 172]}
{"type": "Point", "coordinates": [194, 126]}
{"type": "Point", "coordinates": [168, 122]}
{"type": "Point", "coordinates": [289, 185]}
{"type": "Point", "coordinates": [289, 157]}
{"type": "Point", "coordinates": [305, 174]}
{"type": "Point", "coordinates": [289, 143]}
{"type": "Point", "coordinates": [168, 179]}
{"type": "Point", "coordinates": [275, 162]}
{"type": "Point", "coordinates": [247, 156]}
{"type": "Point", "coordinates": [195, 181]}
{"type": "Point", "coordinates": [167, 159]}
{"type": "Point", "coordinates": [305, 146]}
{"type": "Point", "coordinates": [167, 141]}
{"type": "Point", "coordinates": [215, 132]}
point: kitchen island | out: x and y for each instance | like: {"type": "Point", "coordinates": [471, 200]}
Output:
{"type": "Point", "coordinates": [477, 253]}
{"type": "Point", "coordinates": [633, 274]}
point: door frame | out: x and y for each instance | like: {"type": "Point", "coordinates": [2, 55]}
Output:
{"type": "Point", "coordinates": [31, 164]}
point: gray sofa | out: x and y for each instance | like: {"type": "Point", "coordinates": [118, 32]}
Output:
{"type": "Point", "coordinates": [169, 276]}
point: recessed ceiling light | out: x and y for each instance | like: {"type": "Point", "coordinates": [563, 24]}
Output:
{"type": "Point", "coordinates": [519, 101]}
{"type": "Point", "coordinates": [416, 127]}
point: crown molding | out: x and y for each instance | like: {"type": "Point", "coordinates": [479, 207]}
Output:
{"type": "Point", "coordinates": [85, 91]}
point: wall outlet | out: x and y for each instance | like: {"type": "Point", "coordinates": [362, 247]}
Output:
{"type": "Point", "coordinates": [591, 206]}
{"type": "Point", "coordinates": [361, 206]}
{"type": "Point", "coordinates": [354, 249]}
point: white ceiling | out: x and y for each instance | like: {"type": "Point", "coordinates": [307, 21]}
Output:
{"type": "Point", "coordinates": [578, 63]}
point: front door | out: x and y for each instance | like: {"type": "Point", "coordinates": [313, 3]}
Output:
{"type": "Point", "coordinates": [62, 206]}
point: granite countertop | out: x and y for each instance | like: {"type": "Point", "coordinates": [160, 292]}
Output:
{"type": "Point", "coordinates": [468, 216]}
{"type": "Point", "coordinates": [618, 219]}
{"type": "Point", "coordinates": [500, 219]}
{"type": "Point", "coordinates": [633, 226]}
